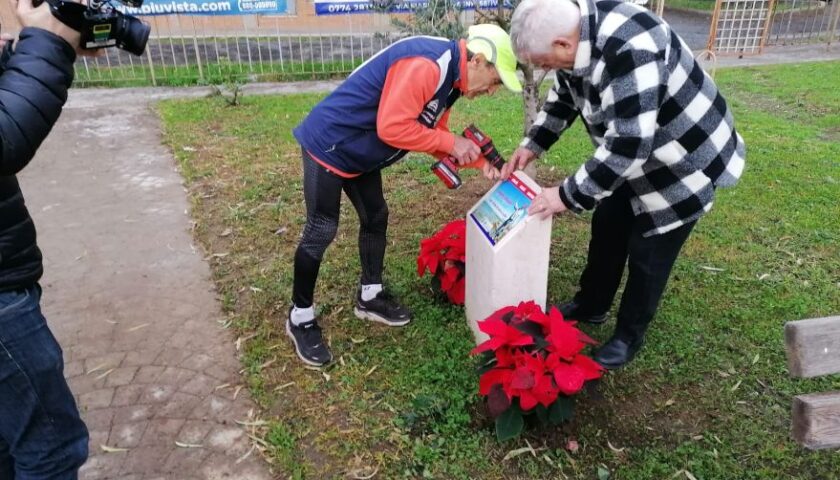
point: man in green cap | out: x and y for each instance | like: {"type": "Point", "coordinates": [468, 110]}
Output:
{"type": "Point", "coordinates": [396, 102]}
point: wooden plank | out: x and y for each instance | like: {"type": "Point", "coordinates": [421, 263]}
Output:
{"type": "Point", "coordinates": [813, 346]}
{"type": "Point", "coordinates": [816, 420]}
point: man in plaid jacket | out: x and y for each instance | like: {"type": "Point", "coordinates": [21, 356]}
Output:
{"type": "Point", "coordinates": [664, 140]}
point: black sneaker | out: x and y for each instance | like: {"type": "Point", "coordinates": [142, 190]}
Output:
{"type": "Point", "coordinates": [382, 308]}
{"type": "Point", "coordinates": [309, 343]}
{"type": "Point", "coordinates": [573, 311]}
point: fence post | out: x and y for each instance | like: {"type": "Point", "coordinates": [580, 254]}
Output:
{"type": "Point", "coordinates": [151, 66]}
{"type": "Point", "coordinates": [813, 349]}
{"type": "Point", "coordinates": [833, 23]}
{"type": "Point", "coordinates": [197, 53]}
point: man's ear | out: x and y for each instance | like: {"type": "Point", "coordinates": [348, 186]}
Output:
{"type": "Point", "coordinates": [561, 42]}
{"type": "Point", "coordinates": [478, 59]}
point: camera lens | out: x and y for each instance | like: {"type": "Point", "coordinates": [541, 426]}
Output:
{"type": "Point", "coordinates": [132, 34]}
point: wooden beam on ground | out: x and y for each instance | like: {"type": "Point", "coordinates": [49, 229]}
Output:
{"type": "Point", "coordinates": [813, 346]}
{"type": "Point", "coordinates": [816, 420]}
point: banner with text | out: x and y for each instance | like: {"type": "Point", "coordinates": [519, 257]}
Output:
{"type": "Point", "coordinates": [342, 7]}
{"type": "Point", "coordinates": [206, 7]}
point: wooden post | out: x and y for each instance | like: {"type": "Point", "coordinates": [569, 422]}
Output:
{"type": "Point", "coordinates": [813, 349]}
{"type": "Point", "coordinates": [816, 420]}
{"type": "Point", "coordinates": [813, 346]}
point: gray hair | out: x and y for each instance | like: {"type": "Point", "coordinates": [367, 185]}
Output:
{"type": "Point", "coordinates": [536, 23]}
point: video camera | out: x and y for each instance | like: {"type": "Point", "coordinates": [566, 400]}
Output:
{"type": "Point", "coordinates": [101, 24]}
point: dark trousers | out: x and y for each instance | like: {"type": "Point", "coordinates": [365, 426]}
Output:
{"type": "Point", "coordinates": [322, 193]}
{"type": "Point", "coordinates": [42, 436]}
{"type": "Point", "coordinates": [617, 240]}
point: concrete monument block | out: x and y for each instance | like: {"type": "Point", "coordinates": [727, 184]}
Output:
{"type": "Point", "coordinates": [507, 251]}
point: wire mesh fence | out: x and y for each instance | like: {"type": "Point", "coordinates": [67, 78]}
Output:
{"type": "Point", "coordinates": [798, 22]}
{"type": "Point", "coordinates": [196, 49]}
{"type": "Point", "coordinates": [745, 27]}
{"type": "Point", "coordinates": [205, 50]}
{"type": "Point", "coordinates": [739, 26]}
{"type": "Point", "coordinates": [298, 45]}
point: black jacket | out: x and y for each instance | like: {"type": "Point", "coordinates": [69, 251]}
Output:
{"type": "Point", "coordinates": [33, 88]}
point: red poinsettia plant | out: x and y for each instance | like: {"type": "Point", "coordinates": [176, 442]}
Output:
{"type": "Point", "coordinates": [443, 255]}
{"type": "Point", "coordinates": [532, 364]}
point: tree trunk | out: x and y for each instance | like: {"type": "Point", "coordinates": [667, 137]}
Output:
{"type": "Point", "coordinates": [531, 102]}
{"type": "Point", "coordinates": [530, 97]}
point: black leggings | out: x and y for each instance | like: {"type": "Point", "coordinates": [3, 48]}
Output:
{"type": "Point", "coordinates": [322, 192]}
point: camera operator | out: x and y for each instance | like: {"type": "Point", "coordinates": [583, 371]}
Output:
{"type": "Point", "coordinates": [41, 433]}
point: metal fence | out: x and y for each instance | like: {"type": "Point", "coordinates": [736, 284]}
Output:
{"type": "Point", "coordinates": [194, 49]}
{"type": "Point", "coordinates": [797, 22]}
{"type": "Point", "coordinates": [186, 49]}
{"type": "Point", "coordinates": [739, 26]}
{"type": "Point", "coordinates": [745, 27]}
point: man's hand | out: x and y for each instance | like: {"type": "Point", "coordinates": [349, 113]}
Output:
{"type": "Point", "coordinates": [41, 17]}
{"type": "Point", "coordinates": [465, 151]}
{"type": "Point", "coordinates": [519, 160]}
{"type": "Point", "coordinates": [547, 203]}
{"type": "Point", "coordinates": [490, 172]}
{"type": "Point", "coordinates": [4, 39]}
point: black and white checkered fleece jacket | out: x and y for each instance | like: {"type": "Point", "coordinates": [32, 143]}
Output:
{"type": "Point", "coordinates": [658, 122]}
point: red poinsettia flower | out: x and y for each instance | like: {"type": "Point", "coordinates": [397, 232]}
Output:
{"type": "Point", "coordinates": [527, 374]}
{"type": "Point", "coordinates": [536, 373]}
{"type": "Point", "coordinates": [457, 293]}
{"type": "Point", "coordinates": [570, 376]}
{"type": "Point", "coordinates": [501, 335]}
{"type": "Point", "coordinates": [443, 255]}
{"type": "Point", "coordinates": [529, 311]}
{"type": "Point", "coordinates": [546, 390]}
{"type": "Point", "coordinates": [564, 338]}
{"type": "Point", "coordinates": [500, 332]}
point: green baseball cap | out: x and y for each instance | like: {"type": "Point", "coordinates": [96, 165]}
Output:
{"type": "Point", "coordinates": [494, 43]}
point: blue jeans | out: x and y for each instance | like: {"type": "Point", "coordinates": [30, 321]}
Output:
{"type": "Point", "coordinates": [41, 434]}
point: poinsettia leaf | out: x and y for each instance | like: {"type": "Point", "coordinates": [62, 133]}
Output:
{"type": "Point", "coordinates": [569, 378]}
{"type": "Point", "coordinates": [586, 338]}
{"type": "Point", "coordinates": [491, 344]}
{"type": "Point", "coordinates": [561, 410]}
{"type": "Point", "coordinates": [497, 401]}
{"type": "Point", "coordinates": [542, 414]}
{"type": "Point", "coordinates": [493, 327]}
{"type": "Point", "coordinates": [457, 293]}
{"type": "Point", "coordinates": [448, 279]}
{"type": "Point", "coordinates": [527, 400]}
{"type": "Point", "coordinates": [545, 390]}
{"type": "Point", "coordinates": [486, 361]}
{"type": "Point", "coordinates": [499, 314]}
{"type": "Point", "coordinates": [564, 340]}
{"type": "Point", "coordinates": [555, 314]}
{"type": "Point", "coordinates": [591, 369]}
{"type": "Point", "coordinates": [495, 376]}
{"type": "Point", "coordinates": [432, 263]}
{"type": "Point", "coordinates": [534, 330]}
{"type": "Point", "coordinates": [522, 379]}
{"type": "Point", "coordinates": [509, 424]}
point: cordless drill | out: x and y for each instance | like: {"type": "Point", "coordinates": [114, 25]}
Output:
{"type": "Point", "coordinates": [447, 168]}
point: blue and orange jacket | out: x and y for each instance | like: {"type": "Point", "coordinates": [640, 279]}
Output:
{"type": "Point", "coordinates": [396, 102]}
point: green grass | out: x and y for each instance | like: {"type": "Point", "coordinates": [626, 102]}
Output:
{"type": "Point", "coordinates": [140, 75]}
{"type": "Point", "coordinates": [703, 5]}
{"type": "Point", "coordinates": [709, 393]}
